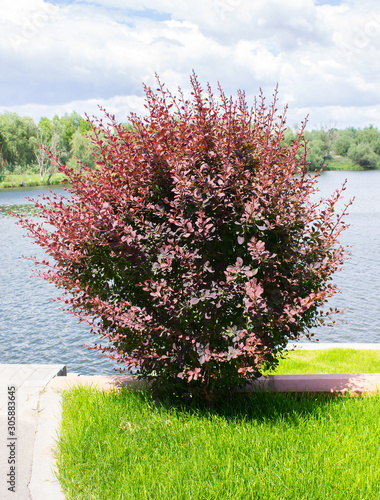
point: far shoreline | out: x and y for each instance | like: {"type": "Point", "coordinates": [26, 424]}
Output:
{"type": "Point", "coordinates": [27, 180]}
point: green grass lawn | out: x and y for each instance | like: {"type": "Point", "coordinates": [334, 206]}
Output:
{"type": "Point", "coordinates": [126, 446]}
{"type": "Point", "coordinates": [329, 361]}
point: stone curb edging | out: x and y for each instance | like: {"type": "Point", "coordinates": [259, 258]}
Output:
{"type": "Point", "coordinates": [323, 383]}
{"type": "Point", "coordinates": [355, 384]}
{"type": "Point", "coordinates": [316, 346]}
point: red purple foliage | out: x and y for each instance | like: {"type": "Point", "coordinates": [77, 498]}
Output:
{"type": "Point", "coordinates": [194, 248]}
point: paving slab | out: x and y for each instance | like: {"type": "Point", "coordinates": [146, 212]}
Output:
{"type": "Point", "coordinates": [20, 393]}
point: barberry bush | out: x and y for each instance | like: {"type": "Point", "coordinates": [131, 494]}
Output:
{"type": "Point", "coordinates": [196, 248]}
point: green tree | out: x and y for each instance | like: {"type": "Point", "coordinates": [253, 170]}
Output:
{"type": "Point", "coordinates": [369, 134]}
{"type": "Point", "coordinates": [290, 135]}
{"type": "Point", "coordinates": [3, 154]}
{"type": "Point", "coordinates": [319, 147]}
{"type": "Point", "coordinates": [343, 140]}
{"type": "Point", "coordinates": [66, 126]}
{"type": "Point", "coordinates": [47, 145]}
{"type": "Point", "coordinates": [19, 138]}
{"type": "Point", "coordinates": [81, 149]}
{"type": "Point", "coordinates": [363, 155]}
{"type": "Point", "coordinates": [342, 145]}
{"type": "Point", "coordinates": [45, 128]}
{"type": "Point", "coordinates": [317, 155]}
{"type": "Point", "coordinates": [58, 134]}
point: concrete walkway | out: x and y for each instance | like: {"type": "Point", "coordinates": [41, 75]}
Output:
{"type": "Point", "coordinates": [25, 453]}
{"type": "Point", "coordinates": [37, 401]}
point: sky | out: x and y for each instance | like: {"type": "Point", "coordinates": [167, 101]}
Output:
{"type": "Point", "coordinates": [60, 56]}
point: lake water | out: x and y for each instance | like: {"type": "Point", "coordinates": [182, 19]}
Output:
{"type": "Point", "coordinates": [359, 281]}
{"type": "Point", "coordinates": [34, 330]}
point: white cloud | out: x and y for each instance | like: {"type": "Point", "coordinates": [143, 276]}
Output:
{"type": "Point", "coordinates": [60, 56]}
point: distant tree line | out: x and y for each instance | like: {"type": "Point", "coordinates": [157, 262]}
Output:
{"type": "Point", "coordinates": [360, 146]}
{"type": "Point", "coordinates": [69, 137]}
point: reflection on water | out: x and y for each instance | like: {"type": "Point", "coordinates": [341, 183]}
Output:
{"type": "Point", "coordinates": [34, 330]}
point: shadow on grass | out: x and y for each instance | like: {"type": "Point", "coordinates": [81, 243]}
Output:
{"type": "Point", "coordinates": [258, 406]}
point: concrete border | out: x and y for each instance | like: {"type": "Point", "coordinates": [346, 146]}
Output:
{"type": "Point", "coordinates": [323, 383]}
{"type": "Point", "coordinates": [315, 346]}
{"type": "Point", "coordinates": [355, 384]}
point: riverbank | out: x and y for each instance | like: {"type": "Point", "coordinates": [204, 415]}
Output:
{"type": "Point", "coordinates": [30, 180]}
{"type": "Point", "coordinates": [27, 179]}
{"type": "Point", "coordinates": [343, 163]}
